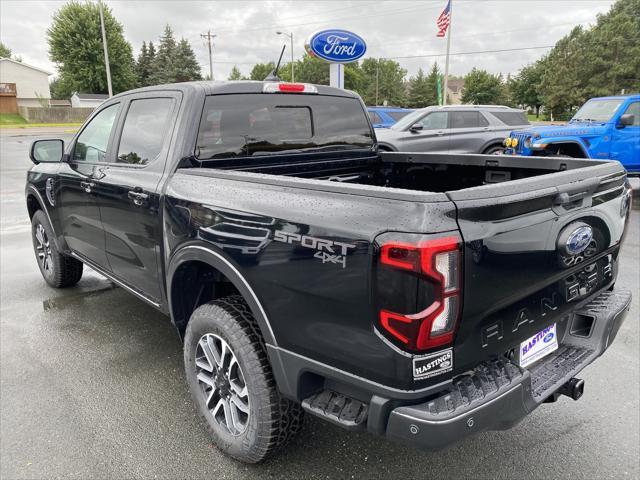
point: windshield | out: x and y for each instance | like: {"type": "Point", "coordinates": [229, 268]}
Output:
{"type": "Point", "coordinates": [597, 110]}
{"type": "Point", "coordinates": [408, 120]}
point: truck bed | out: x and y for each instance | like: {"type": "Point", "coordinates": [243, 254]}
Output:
{"type": "Point", "coordinates": [417, 172]}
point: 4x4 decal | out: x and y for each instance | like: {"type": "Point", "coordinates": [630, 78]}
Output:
{"type": "Point", "coordinates": [329, 251]}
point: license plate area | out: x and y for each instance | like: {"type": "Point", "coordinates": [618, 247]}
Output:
{"type": "Point", "coordinates": [538, 346]}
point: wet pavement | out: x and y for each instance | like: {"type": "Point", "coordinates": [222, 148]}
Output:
{"type": "Point", "coordinates": [91, 385]}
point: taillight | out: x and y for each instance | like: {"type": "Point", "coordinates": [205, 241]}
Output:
{"type": "Point", "coordinates": [283, 87]}
{"type": "Point", "coordinates": [437, 261]}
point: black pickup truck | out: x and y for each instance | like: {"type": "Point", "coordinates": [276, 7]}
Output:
{"type": "Point", "coordinates": [424, 297]}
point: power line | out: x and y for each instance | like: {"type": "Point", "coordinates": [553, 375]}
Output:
{"type": "Point", "coordinates": [470, 53]}
{"type": "Point", "coordinates": [424, 56]}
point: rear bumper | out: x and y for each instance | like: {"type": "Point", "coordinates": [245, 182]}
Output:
{"type": "Point", "coordinates": [497, 394]}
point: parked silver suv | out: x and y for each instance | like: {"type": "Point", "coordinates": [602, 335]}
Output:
{"type": "Point", "coordinates": [453, 129]}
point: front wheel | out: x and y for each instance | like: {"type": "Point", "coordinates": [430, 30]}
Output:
{"type": "Point", "coordinates": [57, 269]}
{"type": "Point", "coordinates": [494, 150]}
{"type": "Point", "coordinates": [232, 384]}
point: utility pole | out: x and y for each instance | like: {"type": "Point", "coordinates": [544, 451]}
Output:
{"type": "Point", "coordinates": [106, 50]}
{"type": "Point", "coordinates": [209, 38]}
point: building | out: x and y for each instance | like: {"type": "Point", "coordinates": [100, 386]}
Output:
{"type": "Point", "coordinates": [22, 85]}
{"type": "Point", "coordinates": [87, 100]}
{"type": "Point", "coordinates": [454, 90]}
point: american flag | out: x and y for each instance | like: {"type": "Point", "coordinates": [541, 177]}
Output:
{"type": "Point", "coordinates": [443, 20]}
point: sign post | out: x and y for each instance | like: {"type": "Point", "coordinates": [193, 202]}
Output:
{"type": "Point", "coordinates": [336, 47]}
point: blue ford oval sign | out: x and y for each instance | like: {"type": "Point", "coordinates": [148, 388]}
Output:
{"type": "Point", "coordinates": [336, 46]}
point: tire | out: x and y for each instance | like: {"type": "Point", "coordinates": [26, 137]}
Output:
{"type": "Point", "coordinates": [270, 421]}
{"type": "Point", "coordinates": [58, 270]}
{"type": "Point", "coordinates": [494, 150]}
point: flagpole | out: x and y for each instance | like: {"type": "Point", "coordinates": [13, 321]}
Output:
{"type": "Point", "coordinates": [446, 62]}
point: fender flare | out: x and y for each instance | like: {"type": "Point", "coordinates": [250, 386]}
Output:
{"type": "Point", "coordinates": [556, 141]}
{"type": "Point", "coordinates": [493, 141]}
{"type": "Point", "coordinates": [206, 254]}
{"type": "Point", "coordinates": [31, 190]}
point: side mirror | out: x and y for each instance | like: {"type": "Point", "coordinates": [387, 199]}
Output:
{"type": "Point", "coordinates": [626, 120]}
{"type": "Point", "coordinates": [46, 151]}
{"type": "Point", "coordinates": [416, 127]}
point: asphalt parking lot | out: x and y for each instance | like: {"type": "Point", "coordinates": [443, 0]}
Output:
{"type": "Point", "coordinates": [91, 386]}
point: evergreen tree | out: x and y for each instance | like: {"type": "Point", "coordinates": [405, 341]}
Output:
{"type": "Point", "coordinates": [235, 74]}
{"type": "Point", "coordinates": [143, 66]}
{"type": "Point", "coordinates": [5, 52]}
{"type": "Point", "coordinates": [261, 70]}
{"type": "Point", "coordinates": [423, 89]}
{"type": "Point", "coordinates": [389, 78]}
{"type": "Point", "coordinates": [162, 67]}
{"type": "Point", "coordinates": [186, 67]}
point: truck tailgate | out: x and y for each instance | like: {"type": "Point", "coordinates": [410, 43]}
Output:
{"type": "Point", "coordinates": [533, 249]}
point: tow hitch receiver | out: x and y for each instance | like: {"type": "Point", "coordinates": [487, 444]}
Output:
{"type": "Point", "coordinates": [574, 388]}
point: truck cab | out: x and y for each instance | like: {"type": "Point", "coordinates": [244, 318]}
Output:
{"type": "Point", "coordinates": [603, 128]}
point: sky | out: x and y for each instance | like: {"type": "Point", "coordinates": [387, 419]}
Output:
{"type": "Point", "coordinates": [404, 30]}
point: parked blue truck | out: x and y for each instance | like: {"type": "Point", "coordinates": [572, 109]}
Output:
{"type": "Point", "coordinates": [604, 128]}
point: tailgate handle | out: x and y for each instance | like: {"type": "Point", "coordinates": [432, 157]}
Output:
{"type": "Point", "coordinates": [584, 189]}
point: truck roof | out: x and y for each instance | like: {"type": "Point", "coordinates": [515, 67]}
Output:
{"type": "Point", "coordinates": [216, 87]}
{"type": "Point", "coordinates": [611, 97]}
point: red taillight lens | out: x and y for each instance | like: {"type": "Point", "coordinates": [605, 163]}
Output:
{"type": "Point", "coordinates": [275, 87]}
{"type": "Point", "coordinates": [438, 261]}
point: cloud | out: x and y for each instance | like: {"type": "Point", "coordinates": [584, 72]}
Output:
{"type": "Point", "coordinates": [245, 30]}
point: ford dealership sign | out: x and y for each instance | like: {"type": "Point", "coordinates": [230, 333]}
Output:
{"type": "Point", "coordinates": [336, 46]}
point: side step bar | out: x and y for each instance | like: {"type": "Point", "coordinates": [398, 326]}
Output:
{"type": "Point", "coordinates": [337, 408]}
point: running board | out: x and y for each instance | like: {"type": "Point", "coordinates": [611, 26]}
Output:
{"type": "Point", "coordinates": [338, 409]}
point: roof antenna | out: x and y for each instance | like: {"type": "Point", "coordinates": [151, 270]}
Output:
{"type": "Point", "coordinates": [273, 75]}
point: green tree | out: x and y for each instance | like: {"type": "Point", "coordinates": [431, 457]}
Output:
{"type": "Point", "coordinates": [186, 67]}
{"type": "Point", "coordinates": [312, 70]}
{"type": "Point", "coordinates": [5, 52]}
{"type": "Point", "coordinates": [525, 87]}
{"type": "Point", "coordinates": [162, 67]}
{"type": "Point", "coordinates": [386, 78]}
{"type": "Point", "coordinates": [235, 74]}
{"type": "Point", "coordinates": [143, 65]}
{"type": "Point", "coordinates": [75, 46]}
{"type": "Point", "coordinates": [354, 77]}
{"type": "Point", "coordinates": [482, 88]}
{"type": "Point", "coordinates": [423, 89]}
{"type": "Point", "coordinates": [261, 70]}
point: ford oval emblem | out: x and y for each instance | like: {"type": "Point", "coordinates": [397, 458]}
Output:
{"type": "Point", "coordinates": [579, 240]}
{"type": "Point", "coordinates": [548, 337]}
{"type": "Point", "coordinates": [336, 46]}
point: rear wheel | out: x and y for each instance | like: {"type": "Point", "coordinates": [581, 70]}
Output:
{"type": "Point", "coordinates": [232, 383]}
{"type": "Point", "coordinates": [57, 269]}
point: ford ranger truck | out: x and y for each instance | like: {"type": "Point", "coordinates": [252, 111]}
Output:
{"type": "Point", "coordinates": [423, 297]}
{"type": "Point", "coordinates": [604, 128]}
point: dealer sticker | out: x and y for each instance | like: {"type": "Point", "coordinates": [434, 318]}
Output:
{"type": "Point", "coordinates": [433, 364]}
{"type": "Point", "coordinates": [541, 344]}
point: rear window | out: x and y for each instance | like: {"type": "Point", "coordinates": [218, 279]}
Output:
{"type": "Point", "coordinates": [397, 115]}
{"type": "Point", "coordinates": [511, 118]}
{"type": "Point", "coordinates": [375, 118]}
{"type": "Point", "coordinates": [266, 124]}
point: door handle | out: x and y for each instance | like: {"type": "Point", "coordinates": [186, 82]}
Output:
{"type": "Point", "coordinates": [87, 186]}
{"type": "Point", "coordinates": [138, 197]}
{"type": "Point", "coordinates": [440, 133]}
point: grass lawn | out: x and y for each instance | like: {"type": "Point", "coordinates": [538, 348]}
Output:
{"type": "Point", "coordinates": [11, 119]}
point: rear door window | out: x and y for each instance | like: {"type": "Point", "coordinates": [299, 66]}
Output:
{"type": "Point", "coordinates": [375, 118]}
{"type": "Point", "coordinates": [397, 115]}
{"type": "Point", "coordinates": [144, 130]}
{"type": "Point", "coordinates": [464, 120]}
{"type": "Point", "coordinates": [266, 124]}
